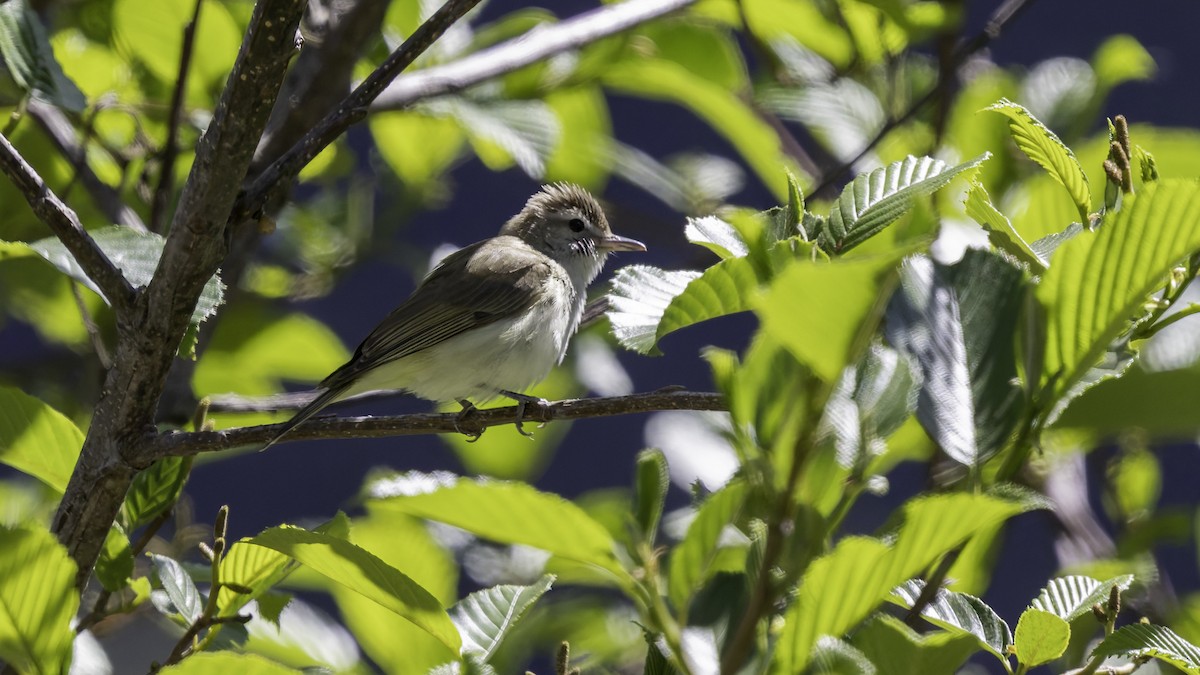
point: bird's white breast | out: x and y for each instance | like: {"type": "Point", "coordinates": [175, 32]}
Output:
{"type": "Point", "coordinates": [510, 354]}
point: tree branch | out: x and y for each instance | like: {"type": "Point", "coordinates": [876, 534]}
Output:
{"type": "Point", "coordinates": [166, 171]}
{"type": "Point", "coordinates": [181, 443]}
{"type": "Point", "coordinates": [536, 45]}
{"type": "Point", "coordinates": [60, 131]}
{"type": "Point", "coordinates": [276, 179]}
{"type": "Point", "coordinates": [122, 423]}
{"type": "Point", "coordinates": [65, 225]}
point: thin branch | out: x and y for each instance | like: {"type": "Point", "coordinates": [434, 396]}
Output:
{"type": "Point", "coordinates": [89, 324]}
{"type": "Point", "coordinates": [277, 178]}
{"type": "Point", "coordinates": [65, 225]}
{"type": "Point", "coordinates": [166, 172]}
{"type": "Point", "coordinates": [536, 45]}
{"type": "Point", "coordinates": [60, 131]}
{"type": "Point", "coordinates": [1006, 12]}
{"type": "Point", "coordinates": [181, 443]}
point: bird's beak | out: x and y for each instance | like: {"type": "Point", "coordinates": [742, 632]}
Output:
{"type": "Point", "coordinates": [615, 242]}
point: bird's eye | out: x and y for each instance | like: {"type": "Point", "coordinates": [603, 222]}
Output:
{"type": "Point", "coordinates": [576, 225]}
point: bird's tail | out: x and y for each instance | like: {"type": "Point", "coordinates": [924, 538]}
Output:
{"type": "Point", "coordinates": [312, 408]}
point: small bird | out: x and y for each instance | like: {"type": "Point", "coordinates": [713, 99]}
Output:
{"type": "Point", "coordinates": [492, 318]}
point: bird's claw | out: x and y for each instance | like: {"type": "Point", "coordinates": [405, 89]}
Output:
{"type": "Point", "coordinates": [524, 401]}
{"type": "Point", "coordinates": [468, 409]}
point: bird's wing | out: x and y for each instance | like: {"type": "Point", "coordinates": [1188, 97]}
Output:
{"type": "Point", "coordinates": [472, 287]}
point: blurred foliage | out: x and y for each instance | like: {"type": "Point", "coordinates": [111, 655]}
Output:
{"type": "Point", "coordinates": [993, 295]}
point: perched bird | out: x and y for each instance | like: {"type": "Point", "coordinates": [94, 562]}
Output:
{"type": "Point", "coordinates": [492, 318]}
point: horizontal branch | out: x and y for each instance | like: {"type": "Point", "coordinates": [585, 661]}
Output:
{"type": "Point", "coordinates": [65, 225]}
{"type": "Point", "coordinates": [190, 443]}
{"type": "Point", "coordinates": [536, 45]}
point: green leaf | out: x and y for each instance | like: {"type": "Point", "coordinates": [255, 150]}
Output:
{"type": "Point", "coordinates": [254, 567]}
{"type": "Point", "coordinates": [651, 482]}
{"type": "Point", "coordinates": [153, 35]}
{"type": "Point", "coordinates": [504, 132]}
{"type": "Point", "coordinates": [959, 613]}
{"type": "Point", "coordinates": [957, 324]}
{"type": "Point", "coordinates": [721, 108]}
{"type": "Point", "coordinates": [136, 254]}
{"type": "Point", "coordinates": [115, 565]}
{"type": "Point", "coordinates": [823, 311]}
{"type": "Point", "coordinates": [717, 235]}
{"type": "Point", "coordinates": [417, 147]}
{"type": "Point", "coordinates": [897, 649]}
{"type": "Point", "coordinates": [486, 616]}
{"type": "Point", "coordinates": [37, 601]}
{"type": "Point", "coordinates": [832, 656]}
{"type": "Point", "coordinates": [155, 490]}
{"type": "Point", "coordinates": [180, 589]}
{"type": "Point", "coordinates": [1001, 232]}
{"type": "Point", "coordinates": [874, 200]}
{"type": "Point", "coordinates": [844, 586]}
{"type": "Point", "coordinates": [1071, 597]}
{"type": "Point", "coordinates": [511, 513]}
{"type": "Point", "coordinates": [767, 392]}
{"type": "Point", "coordinates": [869, 402]}
{"type": "Point", "coordinates": [364, 573]}
{"type": "Point", "coordinates": [692, 558]}
{"type": "Point", "coordinates": [1160, 642]}
{"type": "Point", "coordinates": [640, 296]}
{"type": "Point", "coordinates": [1099, 281]}
{"type": "Point", "coordinates": [1120, 59]}
{"type": "Point", "coordinates": [583, 148]}
{"type": "Point", "coordinates": [1043, 146]}
{"type": "Point", "coordinates": [405, 543]}
{"type": "Point", "coordinates": [26, 54]}
{"type": "Point", "coordinates": [1040, 637]}
{"type": "Point", "coordinates": [219, 663]}
{"type": "Point", "coordinates": [36, 439]}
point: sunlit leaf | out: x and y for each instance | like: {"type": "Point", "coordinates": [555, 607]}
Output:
{"type": "Point", "coordinates": [155, 490]}
{"type": "Point", "coordinates": [874, 200]}
{"type": "Point", "coordinates": [640, 295]}
{"type": "Point", "coordinates": [819, 310]}
{"type": "Point", "coordinates": [115, 565]}
{"type": "Point", "coordinates": [691, 558]}
{"type": "Point", "coordinates": [216, 663]}
{"type": "Point", "coordinates": [957, 322]}
{"type": "Point", "coordinates": [1000, 229]}
{"type": "Point", "coordinates": [897, 649]}
{"type": "Point", "coordinates": [185, 599]}
{"type": "Point", "coordinates": [1098, 281]}
{"type": "Point", "coordinates": [37, 601]}
{"type": "Point", "coordinates": [37, 439]}
{"type": "Point", "coordinates": [359, 570]}
{"type": "Point", "coordinates": [1160, 642]}
{"type": "Point", "coordinates": [486, 616]}
{"type": "Point", "coordinates": [959, 613]}
{"type": "Point", "coordinates": [1040, 637]}
{"type": "Point", "coordinates": [842, 587]}
{"type": "Point", "coordinates": [722, 109]}
{"type": "Point", "coordinates": [506, 512]}
{"type": "Point", "coordinates": [26, 55]}
{"type": "Point", "coordinates": [1071, 597]}
{"type": "Point", "coordinates": [1043, 146]}
{"type": "Point", "coordinates": [716, 235]}
{"type": "Point", "coordinates": [1119, 59]}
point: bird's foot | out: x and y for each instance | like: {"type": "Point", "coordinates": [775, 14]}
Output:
{"type": "Point", "coordinates": [523, 401]}
{"type": "Point", "coordinates": [468, 409]}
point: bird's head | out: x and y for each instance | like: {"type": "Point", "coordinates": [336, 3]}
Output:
{"type": "Point", "coordinates": [566, 222]}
